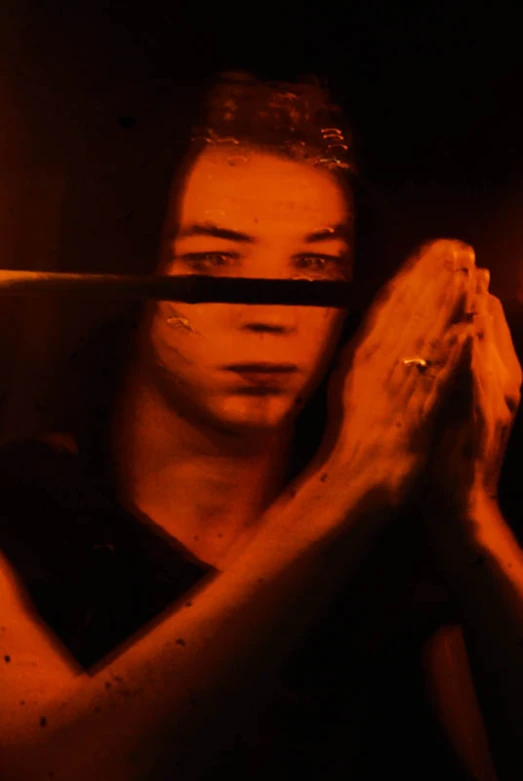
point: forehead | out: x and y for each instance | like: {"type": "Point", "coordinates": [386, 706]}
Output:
{"type": "Point", "coordinates": [248, 188]}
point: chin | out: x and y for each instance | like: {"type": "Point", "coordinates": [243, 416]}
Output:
{"type": "Point", "coordinates": [241, 415]}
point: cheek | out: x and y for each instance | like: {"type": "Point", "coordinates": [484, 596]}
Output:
{"type": "Point", "coordinates": [321, 333]}
{"type": "Point", "coordinates": [185, 336]}
{"type": "Point", "coordinates": [175, 341]}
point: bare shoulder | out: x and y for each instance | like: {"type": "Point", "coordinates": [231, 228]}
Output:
{"type": "Point", "coordinates": [31, 657]}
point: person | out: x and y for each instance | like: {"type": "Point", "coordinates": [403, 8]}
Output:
{"type": "Point", "coordinates": [188, 593]}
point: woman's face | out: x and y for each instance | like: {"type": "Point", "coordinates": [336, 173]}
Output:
{"type": "Point", "coordinates": [249, 214]}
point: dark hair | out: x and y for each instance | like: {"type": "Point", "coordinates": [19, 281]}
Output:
{"type": "Point", "coordinates": [298, 121]}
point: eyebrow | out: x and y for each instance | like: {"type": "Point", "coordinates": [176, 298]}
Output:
{"type": "Point", "coordinates": [341, 231]}
{"type": "Point", "coordinates": [208, 229]}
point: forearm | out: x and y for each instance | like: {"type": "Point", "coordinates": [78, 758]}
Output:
{"type": "Point", "coordinates": [186, 682]}
{"type": "Point", "coordinates": [483, 564]}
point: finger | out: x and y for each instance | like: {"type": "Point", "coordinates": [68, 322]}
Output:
{"type": "Point", "coordinates": [494, 417]}
{"type": "Point", "coordinates": [496, 394]}
{"type": "Point", "coordinates": [432, 319]}
{"type": "Point", "coordinates": [493, 326]}
{"type": "Point", "coordinates": [454, 254]}
{"type": "Point", "coordinates": [429, 387]}
{"type": "Point", "coordinates": [421, 339]}
{"type": "Point", "coordinates": [445, 301]}
{"type": "Point", "coordinates": [413, 285]}
{"type": "Point", "coordinates": [494, 378]}
{"type": "Point", "coordinates": [471, 289]}
{"type": "Point", "coordinates": [399, 334]}
{"type": "Point", "coordinates": [482, 318]}
{"type": "Point", "coordinates": [438, 301]}
{"type": "Point", "coordinates": [498, 369]}
{"type": "Point", "coordinates": [490, 374]}
{"type": "Point", "coordinates": [483, 327]}
{"type": "Point", "coordinates": [488, 395]}
{"type": "Point", "coordinates": [504, 341]}
{"type": "Point", "coordinates": [428, 339]}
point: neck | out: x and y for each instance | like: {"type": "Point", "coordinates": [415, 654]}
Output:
{"type": "Point", "coordinates": [193, 479]}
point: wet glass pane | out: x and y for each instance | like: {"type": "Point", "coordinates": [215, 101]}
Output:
{"type": "Point", "coordinates": [259, 402]}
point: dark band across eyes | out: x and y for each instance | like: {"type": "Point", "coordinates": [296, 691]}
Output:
{"type": "Point", "coordinates": [192, 288]}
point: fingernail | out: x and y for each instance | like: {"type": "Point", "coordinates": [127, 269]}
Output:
{"type": "Point", "coordinates": [482, 280]}
{"type": "Point", "coordinates": [463, 256]}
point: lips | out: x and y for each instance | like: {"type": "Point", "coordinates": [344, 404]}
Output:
{"type": "Point", "coordinates": [263, 375]}
{"type": "Point", "coordinates": [262, 367]}
{"type": "Point", "coordinates": [262, 379]}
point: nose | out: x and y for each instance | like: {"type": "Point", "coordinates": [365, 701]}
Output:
{"type": "Point", "coordinates": [269, 328]}
{"type": "Point", "coordinates": [268, 322]}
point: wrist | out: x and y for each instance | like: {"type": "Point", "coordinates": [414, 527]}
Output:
{"type": "Point", "coordinates": [329, 497]}
{"type": "Point", "coordinates": [470, 527]}
{"type": "Point", "coordinates": [382, 484]}
{"type": "Point", "coordinates": [481, 504]}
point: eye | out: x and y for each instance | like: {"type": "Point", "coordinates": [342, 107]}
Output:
{"type": "Point", "coordinates": [326, 264]}
{"type": "Point", "coordinates": [205, 260]}
{"type": "Point", "coordinates": [317, 261]}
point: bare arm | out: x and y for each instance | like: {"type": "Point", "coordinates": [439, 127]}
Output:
{"type": "Point", "coordinates": [451, 693]}
{"type": "Point", "coordinates": [476, 548]}
{"type": "Point", "coordinates": [150, 706]}
{"type": "Point", "coordinates": [181, 686]}
{"type": "Point", "coordinates": [484, 566]}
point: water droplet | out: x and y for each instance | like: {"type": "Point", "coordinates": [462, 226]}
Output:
{"type": "Point", "coordinates": [176, 321]}
{"type": "Point", "coordinates": [303, 276]}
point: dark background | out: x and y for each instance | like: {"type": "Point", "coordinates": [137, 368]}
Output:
{"type": "Point", "coordinates": [95, 97]}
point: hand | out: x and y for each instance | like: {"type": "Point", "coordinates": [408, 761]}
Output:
{"type": "Point", "coordinates": [387, 409]}
{"type": "Point", "coordinates": [467, 459]}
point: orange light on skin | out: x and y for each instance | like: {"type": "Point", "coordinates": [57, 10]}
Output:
{"type": "Point", "coordinates": [450, 688]}
{"type": "Point", "coordinates": [259, 217]}
{"type": "Point", "coordinates": [213, 446]}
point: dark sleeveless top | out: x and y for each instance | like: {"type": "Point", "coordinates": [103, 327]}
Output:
{"type": "Point", "coordinates": [350, 697]}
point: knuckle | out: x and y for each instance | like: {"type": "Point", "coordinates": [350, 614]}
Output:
{"type": "Point", "coordinates": [456, 252]}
